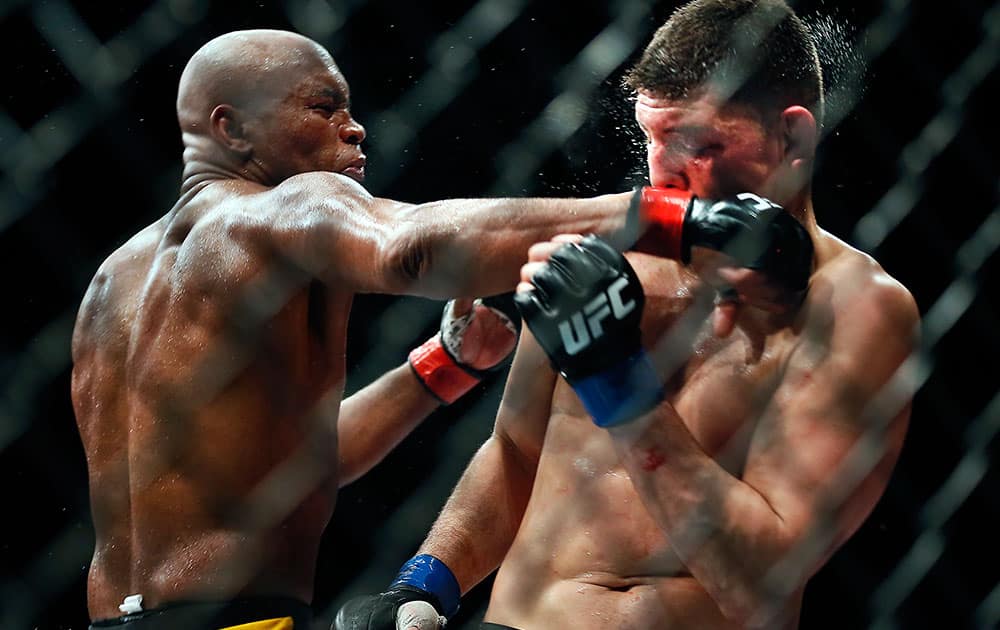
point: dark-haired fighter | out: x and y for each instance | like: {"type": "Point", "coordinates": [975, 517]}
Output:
{"type": "Point", "coordinates": [672, 477]}
{"type": "Point", "coordinates": [209, 349]}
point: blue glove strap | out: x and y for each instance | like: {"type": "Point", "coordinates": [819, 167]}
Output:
{"type": "Point", "coordinates": [621, 393]}
{"type": "Point", "coordinates": [430, 574]}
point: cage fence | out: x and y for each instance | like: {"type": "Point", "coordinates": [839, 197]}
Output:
{"type": "Point", "coordinates": [914, 132]}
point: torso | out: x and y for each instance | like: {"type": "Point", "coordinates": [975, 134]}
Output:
{"type": "Point", "coordinates": [188, 403]}
{"type": "Point", "coordinates": [588, 554]}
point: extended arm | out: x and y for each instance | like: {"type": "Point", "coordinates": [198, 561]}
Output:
{"type": "Point", "coordinates": [490, 497]}
{"type": "Point", "coordinates": [334, 229]}
{"type": "Point", "coordinates": [493, 492]}
{"type": "Point", "coordinates": [753, 541]}
{"type": "Point", "coordinates": [331, 227]}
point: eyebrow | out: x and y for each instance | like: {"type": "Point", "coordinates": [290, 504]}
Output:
{"type": "Point", "coordinates": [687, 130]}
{"type": "Point", "coordinates": [333, 94]}
{"type": "Point", "coordinates": [682, 129]}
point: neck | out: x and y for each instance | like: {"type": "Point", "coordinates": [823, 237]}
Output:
{"type": "Point", "coordinates": [205, 162]}
{"type": "Point", "coordinates": [801, 207]}
{"type": "Point", "coordinates": [825, 245]}
{"type": "Point", "coordinates": [806, 215]}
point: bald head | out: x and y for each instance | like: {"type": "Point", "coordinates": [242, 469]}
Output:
{"type": "Point", "coordinates": [246, 69]}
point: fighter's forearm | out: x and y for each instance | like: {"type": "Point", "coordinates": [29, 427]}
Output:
{"type": "Point", "coordinates": [375, 420]}
{"type": "Point", "coordinates": [722, 529]}
{"type": "Point", "coordinates": [477, 246]}
{"type": "Point", "coordinates": [477, 525]}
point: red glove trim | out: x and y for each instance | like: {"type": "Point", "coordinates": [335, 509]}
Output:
{"type": "Point", "coordinates": [440, 374]}
{"type": "Point", "coordinates": [663, 210]}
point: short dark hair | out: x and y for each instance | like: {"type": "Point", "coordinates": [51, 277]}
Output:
{"type": "Point", "coordinates": [757, 51]}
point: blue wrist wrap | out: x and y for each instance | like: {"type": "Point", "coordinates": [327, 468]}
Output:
{"type": "Point", "coordinates": [621, 393]}
{"type": "Point", "coordinates": [430, 574]}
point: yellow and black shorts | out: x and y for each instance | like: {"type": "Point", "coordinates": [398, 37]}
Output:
{"type": "Point", "coordinates": [252, 613]}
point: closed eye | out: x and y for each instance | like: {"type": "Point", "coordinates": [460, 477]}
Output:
{"type": "Point", "coordinates": [329, 107]}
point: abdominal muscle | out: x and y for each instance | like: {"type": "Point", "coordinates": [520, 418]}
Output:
{"type": "Point", "coordinates": [677, 602]}
{"type": "Point", "coordinates": [587, 554]}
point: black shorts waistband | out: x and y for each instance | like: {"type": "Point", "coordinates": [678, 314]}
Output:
{"type": "Point", "coordinates": [494, 626]}
{"type": "Point", "coordinates": [211, 615]}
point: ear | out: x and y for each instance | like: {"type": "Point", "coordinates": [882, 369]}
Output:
{"type": "Point", "coordinates": [227, 126]}
{"type": "Point", "coordinates": [799, 129]}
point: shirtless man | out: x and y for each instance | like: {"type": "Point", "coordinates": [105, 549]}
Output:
{"type": "Point", "coordinates": [209, 349]}
{"type": "Point", "coordinates": [701, 482]}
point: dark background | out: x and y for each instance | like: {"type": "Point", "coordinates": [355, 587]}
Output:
{"type": "Point", "coordinates": [90, 154]}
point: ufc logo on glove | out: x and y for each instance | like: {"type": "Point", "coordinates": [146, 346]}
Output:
{"type": "Point", "coordinates": [574, 331]}
{"type": "Point", "coordinates": [584, 310]}
{"type": "Point", "coordinates": [759, 202]}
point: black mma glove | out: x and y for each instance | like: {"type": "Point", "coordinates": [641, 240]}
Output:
{"type": "Point", "coordinates": [423, 578]}
{"type": "Point", "coordinates": [754, 231]}
{"type": "Point", "coordinates": [584, 311]}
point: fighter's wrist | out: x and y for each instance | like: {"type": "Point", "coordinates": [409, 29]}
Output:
{"type": "Point", "coordinates": [433, 576]}
{"type": "Point", "coordinates": [621, 393]}
{"type": "Point", "coordinates": [439, 372]}
{"type": "Point", "coordinates": [662, 211]}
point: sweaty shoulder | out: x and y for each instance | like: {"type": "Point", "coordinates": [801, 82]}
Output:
{"type": "Point", "coordinates": [253, 218]}
{"type": "Point", "coordinates": [303, 219]}
{"type": "Point", "coordinates": [303, 201]}
{"type": "Point", "coordinates": [296, 199]}
{"type": "Point", "coordinates": [322, 185]}
{"type": "Point", "coordinates": [857, 285]}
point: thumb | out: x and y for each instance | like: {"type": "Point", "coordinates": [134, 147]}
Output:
{"type": "Point", "coordinates": [461, 307]}
{"type": "Point", "coordinates": [724, 318]}
{"type": "Point", "coordinates": [417, 615]}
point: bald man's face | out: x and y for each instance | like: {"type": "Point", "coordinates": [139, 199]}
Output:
{"type": "Point", "coordinates": [310, 128]}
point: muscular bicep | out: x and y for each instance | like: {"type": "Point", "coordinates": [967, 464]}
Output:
{"type": "Point", "coordinates": [826, 444]}
{"type": "Point", "coordinates": [523, 416]}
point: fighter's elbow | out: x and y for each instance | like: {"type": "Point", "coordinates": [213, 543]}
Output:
{"type": "Point", "coordinates": [405, 260]}
{"type": "Point", "coordinates": [427, 258]}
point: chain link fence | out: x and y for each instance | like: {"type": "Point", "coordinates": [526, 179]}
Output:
{"type": "Point", "coordinates": [507, 97]}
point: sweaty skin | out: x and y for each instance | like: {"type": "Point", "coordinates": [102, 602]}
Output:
{"type": "Point", "coordinates": [677, 519]}
{"type": "Point", "coordinates": [209, 349]}
{"type": "Point", "coordinates": [588, 552]}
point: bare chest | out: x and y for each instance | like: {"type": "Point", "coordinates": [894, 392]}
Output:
{"type": "Point", "coordinates": [722, 387]}
{"type": "Point", "coordinates": [719, 387]}
{"type": "Point", "coordinates": [719, 390]}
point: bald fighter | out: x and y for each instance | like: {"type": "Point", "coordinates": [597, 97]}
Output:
{"type": "Point", "coordinates": [209, 349]}
{"type": "Point", "coordinates": [679, 470]}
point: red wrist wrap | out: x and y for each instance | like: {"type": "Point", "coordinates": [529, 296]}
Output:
{"type": "Point", "coordinates": [439, 373]}
{"type": "Point", "coordinates": [663, 210]}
